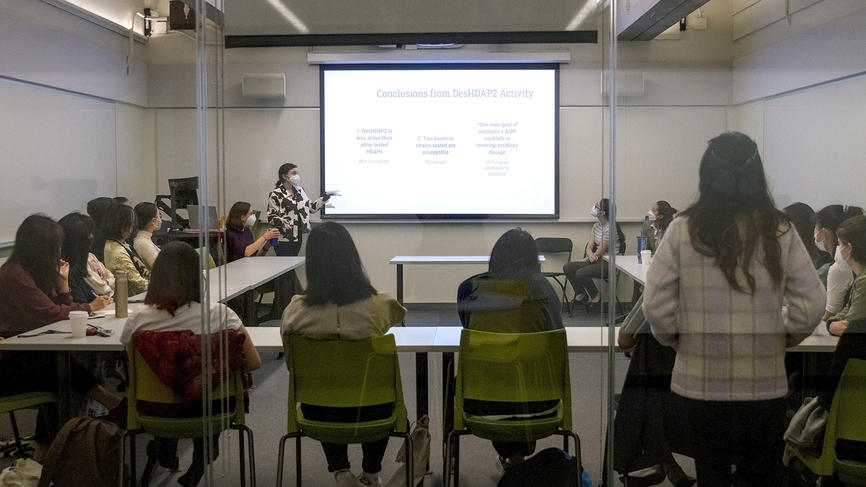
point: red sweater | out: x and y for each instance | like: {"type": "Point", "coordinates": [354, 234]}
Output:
{"type": "Point", "coordinates": [24, 307]}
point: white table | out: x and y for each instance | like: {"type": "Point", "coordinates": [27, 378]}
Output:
{"type": "Point", "coordinates": [241, 277]}
{"type": "Point", "coordinates": [628, 264]}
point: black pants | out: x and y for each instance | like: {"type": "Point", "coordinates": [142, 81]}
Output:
{"type": "Point", "coordinates": [337, 454]}
{"type": "Point", "coordinates": [167, 448]}
{"type": "Point", "coordinates": [289, 283]}
{"type": "Point", "coordinates": [580, 275]}
{"type": "Point", "coordinates": [747, 434]}
{"type": "Point", "coordinates": [22, 372]}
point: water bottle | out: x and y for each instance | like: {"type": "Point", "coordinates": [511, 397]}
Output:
{"type": "Point", "coordinates": [121, 294]}
{"type": "Point", "coordinates": [642, 244]}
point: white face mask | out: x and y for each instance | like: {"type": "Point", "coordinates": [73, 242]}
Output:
{"type": "Point", "coordinates": [296, 180]}
{"type": "Point", "coordinates": [593, 211]}
{"type": "Point", "coordinates": [840, 260]}
{"type": "Point", "coordinates": [651, 215]}
{"type": "Point", "coordinates": [251, 220]}
{"type": "Point", "coordinates": [820, 245]}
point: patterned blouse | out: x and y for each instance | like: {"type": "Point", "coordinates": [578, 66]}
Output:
{"type": "Point", "coordinates": [289, 211]}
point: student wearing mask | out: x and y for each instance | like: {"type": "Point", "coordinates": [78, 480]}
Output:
{"type": "Point", "coordinates": [839, 276]}
{"type": "Point", "coordinates": [149, 221]}
{"type": "Point", "coordinates": [656, 222]}
{"type": "Point", "coordinates": [289, 209]}
{"type": "Point", "coordinates": [581, 273]}
{"type": "Point", "coordinates": [803, 218]}
{"type": "Point", "coordinates": [119, 255]}
{"type": "Point", "coordinates": [340, 304]}
{"type": "Point", "coordinates": [239, 237]}
{"type": "Point", "coordinates": [714, 294]}
{"type": "Point", "coordinates": [852, 249]}
{"type": "Point", "coordinates": [35, 291]}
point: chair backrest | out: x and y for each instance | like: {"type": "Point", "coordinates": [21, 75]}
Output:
{"type": "Point", "coordinates": [848, 402]}
{"type": "Point", "coordinates": [554, 245]}
{"type": "Point", "coordinates": [145, 385]}
{"type": "Point", "coordinates": [343, 373]}
{"type": "Point", "coordinates": [514, 367]}
{"type": "Point", "coordinates": [505, 306]}
{"type": "Point", "coordinates": [204, 254]}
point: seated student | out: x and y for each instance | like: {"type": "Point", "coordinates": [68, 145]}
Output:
{"type": "Point", "coordinates": [803, 218]}
{"type": "Point", "coordinates": [119, 255]}
{"type": "Point", "coordinates": [34, 291]}
{"type": "Point", "coordinates": [839, 276]}
{"type": "Point", "coordinates": [527, 303]}
{"type": "Point", "coordinates": [239, 237]}
{"type": "Point", "coordinates": [97, 208]}
{"type": "Point", "coordinates": [88, 278]}
{"type": "Point", "coordinates": [149, 221]}
{"type": "Point", "coordinates": [340, 304]}
{"type": "Point", "coordinates": [173, 304]}
{"type": "Point", "coordinates": [581, 273]}
{"type": "Point", "coordinates": [656, 222]}
{"type": "Point", "coordinates": [646, 431]}
{"type": "Point", "coordinates": [852, 249]}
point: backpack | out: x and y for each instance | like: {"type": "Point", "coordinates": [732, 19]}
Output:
{"type": "Point", "coordinates": [86, 451]}
{"type": "Point", "coordinates": [549, 467]}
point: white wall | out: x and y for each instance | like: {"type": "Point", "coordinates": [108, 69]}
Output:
{"type": "Point", "coordinates": [70, 129]}
{"type": "Point", "coordinates": [802, 88]}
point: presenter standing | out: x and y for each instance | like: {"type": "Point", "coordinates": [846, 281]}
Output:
{"type": "Point", "coordinates": [289, 209]}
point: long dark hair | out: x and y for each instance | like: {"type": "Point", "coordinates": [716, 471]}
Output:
{"type": "Point", "coordinates": [514, 255]}
{"type": "Point", "coordinates": [802, 217]}
{"type": "Point", "coordinates": [77, 240]}
{"type": "Point", "coordinates": [334, 271]}
{"type": "Point", "coordinates": [37, 250]}
{"type": "Point", "coordinates": [665, 216]}
{"type": "Point", "coordinates": [735, 214]}
{"type": "Point", "coordinates": [118, 219]}
{"type": "Point", "coordinates": [282, 171]}
{"type": "Point", "coordinates": [175, 277]}
{"type": "Point", "coordinates": [604, 205]}
{"type": "Point", "coordinates": [97, 208]}
{"type": "Point", "coordinates": [235, 219]}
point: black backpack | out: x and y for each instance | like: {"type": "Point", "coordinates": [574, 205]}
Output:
{"type": "Point", "coordinates": [549, 467]}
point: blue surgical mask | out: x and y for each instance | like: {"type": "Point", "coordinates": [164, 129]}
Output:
{"type": "Point", "coordinates": [818, 243]}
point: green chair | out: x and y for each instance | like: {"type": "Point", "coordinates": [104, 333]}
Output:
{"type": "Point", "coordinates": [348, 374]}
{"type": "Point", "coordinates": [202, 252]}
{"type": "Point", "coordinates": [26, 400]}
{"type": "Point", "coordinates": [144, 385]}
{"type": "Point", "coordinates": [845, 421]}
{"type": "Point", "coordinates": [510, 367]}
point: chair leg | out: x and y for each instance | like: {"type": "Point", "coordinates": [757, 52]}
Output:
{"type": "Point", "coordinates": [19, 446]}
{"type": "Point", "coordinates": [252, 455]}
{"type": "Point", "coordinates": [565, 434]}
{"type": "Point", "coordinates": [447, 463]}
{"type": "Point", "coordinates": [241, 455]}
{"type": "Point", "coordinates": [132, 455]}
{"type": "Point", "coordinates": [410, 457]}
{"type": "Point", "coordinates": [280, 457]}
{"type": "Point", "coordinates": [298, 461]}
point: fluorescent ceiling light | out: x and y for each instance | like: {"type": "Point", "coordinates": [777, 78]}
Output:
{"type": "Point", "coordinates": [293, 19]}
{"type": "Point", "coordinates": [582, 14]}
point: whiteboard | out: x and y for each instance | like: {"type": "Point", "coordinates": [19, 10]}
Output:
{"type": "Point", "coordinates": [58, 151]}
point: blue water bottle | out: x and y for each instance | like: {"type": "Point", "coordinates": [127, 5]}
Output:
{"type": "Point", "coordinates": [642, 244]}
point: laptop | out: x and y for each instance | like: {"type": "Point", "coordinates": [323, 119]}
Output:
{"type": "Point", "coordinates": [212, 223]}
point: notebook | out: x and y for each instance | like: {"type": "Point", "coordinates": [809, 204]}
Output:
{"type": "Point", "coordinates": [213, 221]}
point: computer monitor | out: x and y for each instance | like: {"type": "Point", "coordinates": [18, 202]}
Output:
{"type": "Point", "coordinates": [184, 191]}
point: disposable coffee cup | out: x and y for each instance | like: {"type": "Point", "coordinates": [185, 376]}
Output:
{"type": "Point", "coordinates": [646, 257]}
{"type": "Point", "coordinates": [78, 323]}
